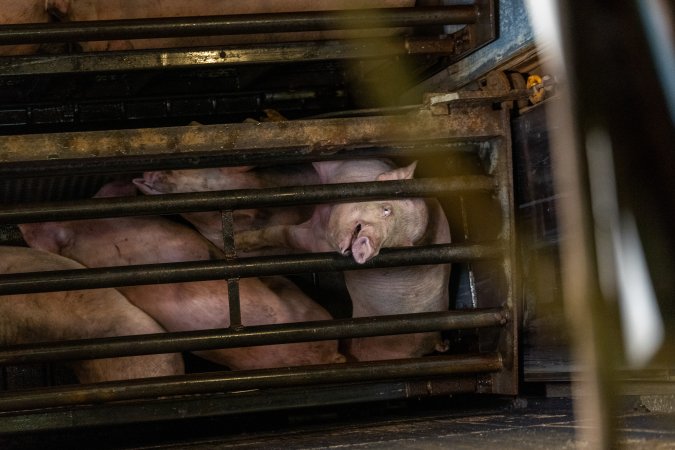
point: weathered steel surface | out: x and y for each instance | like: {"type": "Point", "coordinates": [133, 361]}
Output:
{"type": "Point", "coordinates": [204, 57]}
{"type": "Point", "coordinates": [314, 136]}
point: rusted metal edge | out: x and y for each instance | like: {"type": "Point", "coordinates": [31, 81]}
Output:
{"type": "Point", "coordinates": [252, 336]}
{"type": "Point", "coordinates": [178, 272]}
{"type": "Point", "coordinates": [272, 53]}
{"type": "Point", "coordinates": [468, 122]}
{"type": "Point", "coordinates": [249, 379]}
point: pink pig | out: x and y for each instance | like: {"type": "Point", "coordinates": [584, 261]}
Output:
{"type": "Point", "coordinates": [56, 316]}
{"type": "Point", "coordinates": [193, 305]}
{"type": "Point", "coordinates": [362, 229]}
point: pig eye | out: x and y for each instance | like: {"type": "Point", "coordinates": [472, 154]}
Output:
{"type": "Point", "coordinates": [386, 210]}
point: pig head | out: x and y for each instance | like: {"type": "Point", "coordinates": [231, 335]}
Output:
{"type": "Point", "coordinates": [363, 228]}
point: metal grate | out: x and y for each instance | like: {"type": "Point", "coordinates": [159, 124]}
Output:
{"type": "Point", "coordinates": [490, 365]}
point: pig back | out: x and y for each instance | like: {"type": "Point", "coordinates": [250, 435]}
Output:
{"type": "Point", "coordinates": [55, 316]}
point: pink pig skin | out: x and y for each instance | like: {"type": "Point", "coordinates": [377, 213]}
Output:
{"type": "Point", "coordinates": [55, 316]}
{"type": "Point", "coordinates": [80, 10]}
{"type": "Point", "coordinates": [21, 11]}
{"type": "Point", "coordinates": [193, 305]}
{"type": "Point", "coordinates": [362, 229]}
{"type": "Point", "coordinates": [209, 224]}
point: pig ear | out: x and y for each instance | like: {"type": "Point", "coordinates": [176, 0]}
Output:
{"type": "Point", "coordinates": [326, 168]}
{"type": "Point", "coordinates": [47, 236]}
{"type": "Point", "coordinates": [402, 173]}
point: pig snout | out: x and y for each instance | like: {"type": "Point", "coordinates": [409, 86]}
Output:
{"type": "Point", "coordinates": [363, 250]}
{"type": "Point", "coordinates": [358, 243]}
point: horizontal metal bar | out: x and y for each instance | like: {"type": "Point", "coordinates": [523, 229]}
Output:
{"type": "Point", "coordinates": [251, 336]}
{"type": "Point", "coordinates": [469, 122]}
{"type": "Point", "coordinates": [249, 379]}
{"type": "Point", "coordinates": [67, 280]}
{"type": "Point", "coordinates": [207, 405]}
{"type": "Point", "coordinates": [226, 55]}
{"type": "Point", "coordinates": [135, 164]}
{"type": "Point", "coordinates": [240, 198]}
{"type": "Point", "coordinates": [237, 24]}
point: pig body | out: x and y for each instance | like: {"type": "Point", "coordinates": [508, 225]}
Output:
{"type": "Point", "coordinates": [209, 224]}
{"type": "Point", "coordinates": [85, 10]}
{"type": "Point", "coordinates": [191, 305]}
{"type": "Point", "coordinates": [362, 229]}
{"type": "Point", "coordinates": [17, 12]}
{"type": "Point", "coordinates": [55, 316]}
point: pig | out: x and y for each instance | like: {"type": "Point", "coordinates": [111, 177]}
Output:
{"type": "Point", "coordinates": [84, 10]}
{"type": "Point", "coordinates": [56, 316]}
{"type": "Point", "coordinates": [362, 229]}
{"type": "Point", "coordinates": [192, 305]}
{"type": "Point", "coordinates": [209, 224]}
{"type": "Point", "coordinates": [17, 12]}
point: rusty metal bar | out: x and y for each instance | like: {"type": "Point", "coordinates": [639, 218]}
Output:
{"type": "Point", "coordinates": [237, 24]}
{"type": "Point", "coordinates": [252, 336]}
{"type": "Point", "coordinates": [233, 302]}
{"type": "Point", "coordinates": [239, 198]}
{"type": "Point", "coordinates": [315, 137]}
{"type": "Point", "coordinates": [249, 379]}
{"type": "Point", "coordinates": [229, 55]}
{"type": "Point", "coordinates": [67, 280]}
{"type": "Point", "coordinates": [227, 404]}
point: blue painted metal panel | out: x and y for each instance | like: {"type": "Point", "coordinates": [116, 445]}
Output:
{"type": "Point", "coordinates": [515, 36]}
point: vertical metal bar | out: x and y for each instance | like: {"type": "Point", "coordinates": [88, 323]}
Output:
{"type": "Point", "coordinates": [469, 267]}
{"type": "Point", "coordinates": [235, 304]}
{"type": "Point", "coordinates": [506, 381]}
{"type": "Point", "coordinates": [227, 218]}
{"type": "Point", "coordinates": [232, 283]}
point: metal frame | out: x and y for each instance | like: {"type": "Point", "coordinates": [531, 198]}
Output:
{"type": "Point", "coordinates": [494, 370]}
{"type": "Point", "coordinates": [479, 20]}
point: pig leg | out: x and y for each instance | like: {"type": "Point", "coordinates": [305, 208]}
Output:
{"type": "Point", "coordinates": [277, 236]}
{"type": "Point", "coordinates": [394, 347]}
{"type": "Point", "coordinates": [308, 236]}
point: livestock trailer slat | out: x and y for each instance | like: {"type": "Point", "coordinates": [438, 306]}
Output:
{"type": "Point", "coordinates": [461, 122]}
{"type": "Point", "coordinates": [238, 199]}
{"type": "Point", "coordinates": [251, 401]}
{"type": "Point", "coordinates": [133, 275]}
{"type": "Point", "coordinates": [253, 379]}
{"type": "Point", "coordinates": [253, 335]}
